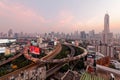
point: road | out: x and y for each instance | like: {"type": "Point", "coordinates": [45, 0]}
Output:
{"type": "Point", "coordinates": [50, 55]}
{"type": "Point", "coordinates": [10, 59]}
{"type": "Point", "coordinates": [46, 58]}
{"type": "Point", "coordinates": [54, 69]}
{"type": "Point", "coordinates": [31, 66]}
{"type": "Point", "coordinates": [59, 65]}
{"type": "Point", "coordinates": [109, 69]}
{"type": "Point", "coordinates": [67, 59]}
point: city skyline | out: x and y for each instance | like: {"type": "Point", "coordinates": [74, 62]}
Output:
{"type": "Point", "coordinates": [46, 16]}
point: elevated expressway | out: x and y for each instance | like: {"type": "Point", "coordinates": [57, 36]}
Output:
{"type": "Point", "coordinates": [48, 59]}
{"type": "Point", "coordinates": [102, 70]}
{"type": "Point", "coordinates": [33, 65]}
{"type": "Point", "coordinates": [12, 58]}
{"type": "Point", "coordinates": [106, 71]}
{"type": "Point", "coordinates": [63, 60]}
{"type": "Point", "coordinates": [60, 62]}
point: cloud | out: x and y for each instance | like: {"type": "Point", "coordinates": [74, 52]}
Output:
{"type": "Point", "coordinates": [63, 20]}
{"type": "Point", "coordinates": [19, 16]}
{"type": "Point", "coordinates": [65, 17]}
{"type": "Point", "coordinates": [22, 18]}
{"type": "Point", "coordinates": [19, 11]}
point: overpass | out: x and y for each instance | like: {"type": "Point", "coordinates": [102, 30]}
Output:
{"type": "Point", "coordinates": [61, 62]}
{"type": "Point", "coordinates": [33, 65]}
{"type": "Point", "coordinates": [12, 58]}
{"type": "Point", "coordinates": [117, 72]}
{"type": "Point", "coordinates": [60, 65]}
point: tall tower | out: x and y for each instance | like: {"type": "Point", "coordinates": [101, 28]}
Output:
{"type": "Point", "coordinates": [106, 28]}
{"type": "Point", "coordinates": [106, 23]}
{"type": "Point", "coordinates": [10, 33]}
{"type": "Point", "coordinates": [107, 38]}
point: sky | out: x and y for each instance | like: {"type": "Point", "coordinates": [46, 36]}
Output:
{"type": "Point", "coordinates": [40, 16]}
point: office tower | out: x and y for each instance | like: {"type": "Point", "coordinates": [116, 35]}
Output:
{"type": "Point", "coordinates": [83, 35]}
{"type": "Point", "coordinates": [10, 33]}
{"type": "Point", "coordinates": [106, 29]}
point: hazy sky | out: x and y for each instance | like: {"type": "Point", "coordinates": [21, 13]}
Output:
{"type": "Point", "coordinates": [58, 15]}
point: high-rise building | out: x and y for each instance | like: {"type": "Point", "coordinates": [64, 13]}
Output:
{"type": "Point", "coordinates": [106, 29]}
{"type": "Point", "coordinates": [83, 35]}
{"type": "Point", "coordinates": [10, 33]}
{"type": "Point", "coordinates": [15, 35]}
{"type": "Point", "coordinates": [106, 23]}
{"type": "Point", "coordinates": [107, 38]}
{"type": "Point", "coordinates": [91, 34]}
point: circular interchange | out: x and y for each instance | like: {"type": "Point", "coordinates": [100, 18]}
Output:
{"type": "Point", "coordinates": [56, 50]}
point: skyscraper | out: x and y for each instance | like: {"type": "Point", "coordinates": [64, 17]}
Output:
{"type": "Point", "coordinates": [10, 33]}
{"type": "Point", "coordinates": [106, 23]}
{"type": "Point", "coordinates": [83, 35]}
{"type": "Point", "coordinates": [107, 38]}
{"type": "Point", "coordinates": [106, 28]}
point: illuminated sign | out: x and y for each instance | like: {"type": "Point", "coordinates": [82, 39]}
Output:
{"type": "Point", "coordinates": [35, 50]}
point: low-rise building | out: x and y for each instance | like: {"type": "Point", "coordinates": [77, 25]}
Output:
{"type": "Point", "coordinates": [7, 51]}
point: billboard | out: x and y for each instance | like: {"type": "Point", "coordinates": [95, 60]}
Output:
{"type": "Point", "coordinates": [34, 50]}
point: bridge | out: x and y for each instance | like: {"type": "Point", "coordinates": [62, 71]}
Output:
{"type": "Point", "coordinates": [33, 65]}
{"type": "Point", "coordinates": [64, 60]}
{"type": "Point", "coordinates": [12, 58]}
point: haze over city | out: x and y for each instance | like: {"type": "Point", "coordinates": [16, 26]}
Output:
{"type": "Point", "coordinates": [59, 40]}
{"type": "Point", "coordinates": [59, 16]}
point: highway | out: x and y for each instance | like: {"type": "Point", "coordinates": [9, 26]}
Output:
{"type": "Point", "coordinates": [48, 58]}
{"type": "Point", "coordinates": [10, 59]}
{"type": "Point", "coordinates": [50, 55]}
{"type": "Point", "coordinates": [54, 69]}
{"type": "Point", "coordinates": [33, 65]}
{"type": "Point", "coordinates": [67, 59]}
{"type": "Point", "coordinates": [29, 67]}
{"type": "Point", "coordinates": [60, 65]}
{"type": "Point", "coordinates": [106, 74]}
{"type": "Point", "coordinates": [72, 50]}
{"type": "Point", "coordinates": [53, 53]}
{"type": "Point", "coordinates": [108, 70]}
